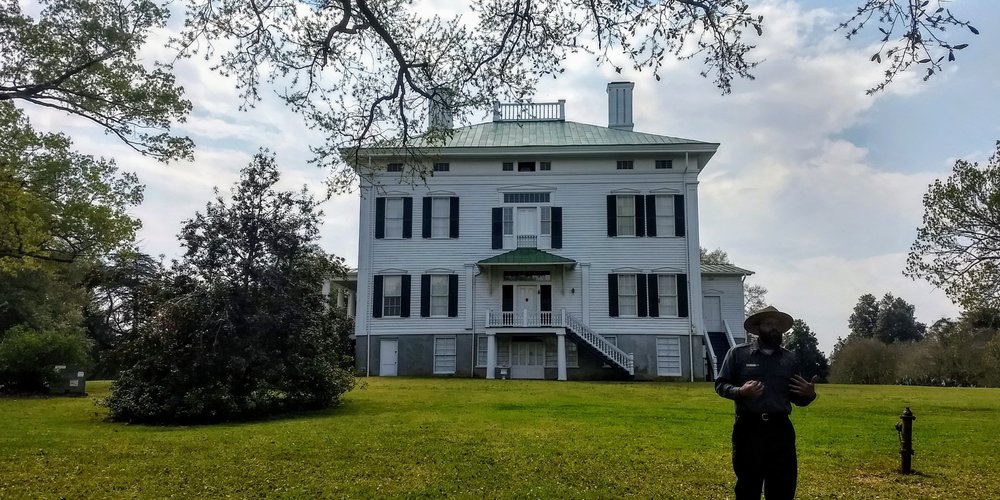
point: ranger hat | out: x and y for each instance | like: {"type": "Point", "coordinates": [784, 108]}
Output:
{"type": "Point", "coordinates": [752, 324]}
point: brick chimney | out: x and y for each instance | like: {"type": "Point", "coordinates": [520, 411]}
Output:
{"type": "Point", "coordinates": [620, 105]}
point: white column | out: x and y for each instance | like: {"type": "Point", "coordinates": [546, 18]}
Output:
{"type": "Point", "coordinates": [491, 355]}
{"type": "Point", "coordinates": [340, 297]}
{"type": "Point", "coordinates": [470, 270]}
{"type": "Point", "coordinates": [694, 275]}
{"type": "Point", "coordinates": [350, 304]}
{"type": "Point", "coordinates": [561, 352]}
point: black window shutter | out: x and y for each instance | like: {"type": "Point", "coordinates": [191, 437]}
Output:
{"type": "Point", "coordinates": [425, 295]}
{"type": "Point", "coordinates": [640, 215]}
{"type": "Point", "coordinates": [497, 228]}
{"type": "Point", "coordinates": [547, 298]}
{"type": "Point", "coordinates": [453, 218]}
{"type": "Point", "coordinates": [377, 298]}
{"type": "Point", "coordinates": [613, 295]}
{"type": "Point", "coordinates": [612, 215]}
{"type": "Point", "coordinates": [651, 216]}
{"type": "Point", "coordinates": [556, 227]}
{"type": "Point", "coordinates": [507, 302]}
{"type": "Point", "coordinates": [407, 217]}
{"type": "Point", "coordinates": [379, 218]}
{"type": "Point", "coordinates": [653, 284]}
{"type": "Point", "coordinates": [453, 294]}
{"type": "Point", "coordinates": [682, 295]}
{"type": "Point", "coordinates": [404, 309]}
{"type": "Point", "coordinates": [426, 217]}
{"type": "Point", "coordinates": [678, 215]}
{"type": "Point", "coordinates": [641, 300]}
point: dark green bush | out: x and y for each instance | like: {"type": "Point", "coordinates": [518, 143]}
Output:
{"type": "Point", "coordinates": [28, 357]}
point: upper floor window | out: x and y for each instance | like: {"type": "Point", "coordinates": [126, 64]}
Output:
{"type": "Point", "coordinates": [442, 167]}
{"type": "Point", "coordinates": [625, 213]}
{"type": "Point", "coordinates": [525, 166]}
{"type": "Point", "coordinates": [439, 295]}
{"type": "Point", "coordinates": [508, 220]}
{"type": "Point", "coordinates": [508, 166]}
{"type": "Point", "coordinates": [393, 217]}
{"type": "Point", "coordinates": [392, 296]}
{"type": "Point", "coordinates": [545, 165]}
{"type": "Point", "coordinates": [440, 217]}
{"type": "Point", "coordinates": [625, 164]}
{"type": "Point", "coordinates": [660, 164]}
{"type": "Point", "coordinates": [546, 226]}
{"type": "Point", "coordinates": [394, 167]}
{"type": "Point", "coordinates": [665, 217]}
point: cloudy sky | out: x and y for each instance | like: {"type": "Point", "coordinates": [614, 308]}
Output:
{"type": "Point", "coordinates": [816, 187]}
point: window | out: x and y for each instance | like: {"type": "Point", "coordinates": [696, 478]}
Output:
{"type": "Point", "coordinates": [439, 295]}
{"type": "Point", "coordinates": [394, 167]}
{"type": "Point", "coordinates": [572, 356]}
{"type": "Point", "coordinates": [625, 211]}
{"type": "Point", "coordinates": [551, 351]}
{"type": "Point", "coordinates": [503, 351]}
{"type": "Point", "coordinates": [531, 197]}
{"type": "Point", "coordinates": [508, 166]}
{"type": "Point", "coordinates": [392, 296]}
{"type": "Point", "coordinates": [546, 220]}
{"type": "Point", "coordinates": [665, 215]}
{"type": "Point", "coordinates": [441, 167]}
{"type": "Point", "coordinates": [625, 165]}
{"type": "Point", "coordinates": [545, 165]}
{"type": "Point", "coordinates": [668, 356]}
{"type": "Point", "coordinates": [627, 305]}
{"type": "Point", "coordinates": [445, 350]}
{"type": "Point", "coordinates": [525, 166]}
{"type": "Point", "coordinates": [660, 164]}
{"type": "Point", "coordinates": [508, 220]}
{"type": "Point", "coordinates": [440, 217]}
{"type": "Point", "coordinates": [393, 217]}
{"type": "Point", "coordinates": [667, 288]}
{"type": "Point", "coordinates": [482, 350]}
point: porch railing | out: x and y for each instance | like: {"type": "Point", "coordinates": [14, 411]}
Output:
{"type": "Point", "coordinates": [498, 319]}
{"type": "Point", "coordinates": [527, 241]}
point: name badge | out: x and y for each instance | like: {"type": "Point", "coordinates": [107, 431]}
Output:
{"type": "Point", "coordinates": [752, 365]}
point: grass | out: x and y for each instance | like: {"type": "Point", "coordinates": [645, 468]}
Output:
{"type": "Point", "coordinates": [478, 438]}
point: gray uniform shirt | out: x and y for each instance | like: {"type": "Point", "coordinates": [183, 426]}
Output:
{"type": "Point", "coordinates": [747, 362]}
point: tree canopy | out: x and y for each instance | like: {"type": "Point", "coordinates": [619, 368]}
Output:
{"type": "Point", "coordinates": [890, 319]}
{"type": "Point", "coordinates": [364, 73]}
{"type": "Point", "coordinates": [957, 248]}
{"type": "Point", "coordinates": [81, 57]}
{"type": "Point", "coordinates": [802, 341]}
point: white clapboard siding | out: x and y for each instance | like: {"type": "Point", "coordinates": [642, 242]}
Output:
{"type": "Point", "coordinates": [732, 300]}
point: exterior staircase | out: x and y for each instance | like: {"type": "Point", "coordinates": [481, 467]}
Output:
{"type": "Point", "coordinates": [720, 346]}
{"type": "Point", "coordinates": [611, 352]}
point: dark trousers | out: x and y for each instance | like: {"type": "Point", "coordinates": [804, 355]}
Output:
{"type": "Point", "coordinates": [764, 456]}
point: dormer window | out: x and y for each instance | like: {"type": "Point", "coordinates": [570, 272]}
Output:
{"type": "Point", "coordinates": [394, 167]}
{"type": "Point", "coordinates": [662, 164]}
{"type": "Point", "coordinates": [442, 167]}
{"type": "Point", "coordinates": [625, 164]}
{"type": "Point", "coordinates": [525, 166]}
{"type": "Point", "coordinates": [545, 165]}
{"type": "Point", "coordinates": [508, 166]}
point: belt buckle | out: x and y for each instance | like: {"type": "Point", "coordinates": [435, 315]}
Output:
{"type": "Point", "coordinates": [764, 417]}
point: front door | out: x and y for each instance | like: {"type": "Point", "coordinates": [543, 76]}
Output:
{"type": "Point", "coordinates": [527, 359]}
{"type": "Point", "coordinates": [526, 299]}
{"type": "Point", "coordinates": [388, 357]}
{"type": "Point", "coordinates": [712, 307]}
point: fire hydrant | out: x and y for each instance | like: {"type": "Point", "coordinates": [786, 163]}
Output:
{"type": "Point", "coordinates": [905, 429]}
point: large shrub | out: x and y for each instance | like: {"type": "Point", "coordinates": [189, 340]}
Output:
{"type": "Point", "coordinates": [28, 357]}
{"type": "Point", "coordinates": [863, 361]}
{"type": "Point", "coordinates": [243, 330]}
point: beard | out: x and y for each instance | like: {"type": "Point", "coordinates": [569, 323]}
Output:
{"type": "Point", "coordinates": [769, 340]}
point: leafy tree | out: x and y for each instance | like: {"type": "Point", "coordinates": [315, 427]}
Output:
{"type": "Point", "coordinates": [753, 295]}
{"type": "Point", "coordinates": [364, 72]}
{"type": "Point", "coordinates": [802, 341]}
{"type": "Point", "coordinates": [895, 321]}
{"type": "Point", "coordinates": [28, 357]}
{"type": "Point", "coordinates": [863, 320]}
{"type": "Point", "coordinates": [58, 205]}
{"type": "Point", "coordinates": [242, 330]}
{"type": "Point", "coordinates": [80, 56]}
{"type": "Point", "coordinates": [958, 246]}
{"type": "Point", "coordinates": [863, 361]}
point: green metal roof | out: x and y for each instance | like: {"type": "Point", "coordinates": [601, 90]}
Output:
{"type": "Point", "coordinates": [526, 256]}
{"type": "Point", "coordinates": [550, 133]}
{"type": "Point", "coordinates": [724, 269]}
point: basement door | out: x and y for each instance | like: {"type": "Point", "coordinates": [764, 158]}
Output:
{"type": "Point", "coordinates": [388, 355]}
{"type": "Point", "coordinates": [527, 359]}
{"type": "Point", "coordinates": [712, 307]}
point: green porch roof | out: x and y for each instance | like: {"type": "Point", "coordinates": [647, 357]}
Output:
{"type": "Point", "coordinates": [527, 257]}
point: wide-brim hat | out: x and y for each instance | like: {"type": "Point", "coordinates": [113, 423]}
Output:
{"type": "Point", "coordinates": [752, 324]}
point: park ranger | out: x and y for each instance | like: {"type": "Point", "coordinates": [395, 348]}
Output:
{"type": "Point", "coordinates": [762, 378]}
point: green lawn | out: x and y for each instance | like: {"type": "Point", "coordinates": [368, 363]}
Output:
{"type": "Point", "coordinates": [478, 438]}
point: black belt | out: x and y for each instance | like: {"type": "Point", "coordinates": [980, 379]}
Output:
{"type": "Point", "coordinates": [762, 417]}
